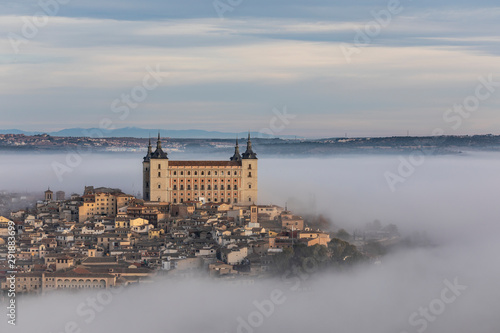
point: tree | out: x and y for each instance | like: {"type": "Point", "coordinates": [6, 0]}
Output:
{"type": "Point", "coordinates": [342, 234]}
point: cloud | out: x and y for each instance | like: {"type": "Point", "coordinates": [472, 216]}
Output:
{"type": "Point", "coordinates": [423, 62]}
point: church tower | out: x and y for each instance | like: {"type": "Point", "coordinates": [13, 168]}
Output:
{"type": "Point", "coordinates": [155, 173]}
{"type": "Point", "coordinates": [49, 195]}
{"type": "Point", "coordinates": [249, 174]}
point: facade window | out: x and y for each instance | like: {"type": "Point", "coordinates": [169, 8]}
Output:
{"type": "Point", "coordinates": [235, 187]}
{"type": "Point", "coordinates": [203, 173]}
{"type": "Point", "coordinates": [182, 173]}
{"type": "Point", "coordinates": [249, 174]}
{"type": "Point", "coordinates": [222, 187]}
{"type": "Point", "coordinates": [249, 166]}
{"type": "Point", "coordinates": [196, 187]}
{"type": "Point", "coordinates": [208, 173]}
{"type": "Point", "coordinates": [175, 200]}
{"type": "Point", "coordinates": [222, 173]}
{"type": "Point", "coordinates": [189, 187]}
{"type": "Point", "coordinates": [236, 173]}
{"type": "Point", "coordinates": [209, 187]}
{"type": "Point", "coordinates": [159, 174]}
{"type": "Point", "coordinates": [159, 186]}
{"type": "Point", "coordinates": [249, 185]}
{"type": "Point", "coordinates": [175, 187]}
{"type": "Point", "coordinates": [175, 173]}
{"type": "Point", "coordinates": [196, 173]}
{"type": "Point", "coordinates": [202, 187]}
{"type": "Point", "coordinates": [147, 184]}
{"type": "Point", "coordinates": [215, 187]}
{"type": "Point", "coordinates": [182, 187]}
{"type": "Point", "coordinates": [189, 173]}
{"type": "Point", "coordinates": [159, 166]}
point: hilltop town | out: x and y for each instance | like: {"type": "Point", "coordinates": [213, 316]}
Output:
{"type": "Point", "coordinates": [195, 218]}
{"type": "Point", "coordinates": [128, 240]}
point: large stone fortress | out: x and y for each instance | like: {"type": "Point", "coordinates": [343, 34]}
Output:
{"type": "Point", "coordinates": [233, 181]}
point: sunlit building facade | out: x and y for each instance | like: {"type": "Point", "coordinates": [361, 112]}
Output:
{"type": "Point", "coordinates": [233, 181]}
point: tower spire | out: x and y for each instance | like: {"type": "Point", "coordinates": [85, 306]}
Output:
{"type": "Point", "coordinates": [150, 151]}
{"type": "Point", "coordinates": [236, 156]}
{"type": "Point", "coordinates": [249, 154]}
{"type": "Point", "coordinates": [249, 142]}
{"type": "Point", "coordinates": [158, 153]}
{"type": "Point", "coordinates": [158, 143]}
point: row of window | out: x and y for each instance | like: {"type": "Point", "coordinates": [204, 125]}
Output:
{"type": "Point", "coordinates": [209, 194]}
{"type": "Point", "coordinates": [196, 173]}
{"type": "Point", "coordinates": [202, 187]}
{"type": "Point", "coordinates": [203, 180]}
{"type": "Point", "coordinates": [209, 200]}
{"type": "Point", "coordinates": [209, 173]}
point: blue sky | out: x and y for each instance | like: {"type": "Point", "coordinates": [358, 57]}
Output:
{"type": "Point", "coordinates": [238, 72]}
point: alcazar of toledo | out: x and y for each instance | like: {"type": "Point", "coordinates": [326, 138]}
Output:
{"type": "Point", "coordinates": [232, 181]}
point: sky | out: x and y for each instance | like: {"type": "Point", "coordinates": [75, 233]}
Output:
{"type": "Point", "coordinates": [309, 68]}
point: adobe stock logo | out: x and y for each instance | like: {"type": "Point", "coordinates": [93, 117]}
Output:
{"type": "Point", "coordinates": [364, 37]}
{"type": "Point", "coordinates": [31, 27]}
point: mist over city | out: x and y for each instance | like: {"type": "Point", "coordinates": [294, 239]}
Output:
{"type": "Point", "coordinates": [249, 166]}
{"type": "Point", "coordinates": [450, 199]}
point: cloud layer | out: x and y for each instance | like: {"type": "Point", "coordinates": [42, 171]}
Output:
{"type": "Point", "coordinates": [231, 72]}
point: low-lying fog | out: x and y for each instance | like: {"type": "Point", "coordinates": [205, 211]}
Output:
{"type": "Point", "coordinates": [452, 287]}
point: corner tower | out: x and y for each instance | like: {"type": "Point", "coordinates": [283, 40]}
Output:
{"type": "Point", "coordinates": [155, 174]}
{"type": "Point", "coordinates": [249, 172]}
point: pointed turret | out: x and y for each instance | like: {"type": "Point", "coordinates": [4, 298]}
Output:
{"type": "Point", "coordinates": [159, 153]}
{"type": "Point", "coordinates": [150, 151]}
{"type": "Point", "coordinates": [158, 143]}
{"type": "Point", "coordinates": [236, 156]}
{"type": "Point", "coordinates": [249, 154]}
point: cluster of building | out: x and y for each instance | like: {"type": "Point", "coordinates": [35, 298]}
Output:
{"type": "Point", "coordinates": [45, 141]}
{"type": "Point", "coordinates": [106, 238]}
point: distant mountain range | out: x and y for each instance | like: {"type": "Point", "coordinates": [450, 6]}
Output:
{"type": "Point", "coordinates": [136, 132]}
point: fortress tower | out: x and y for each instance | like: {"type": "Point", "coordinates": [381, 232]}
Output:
{"type": "Point", "coordinates": [233, 181]}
